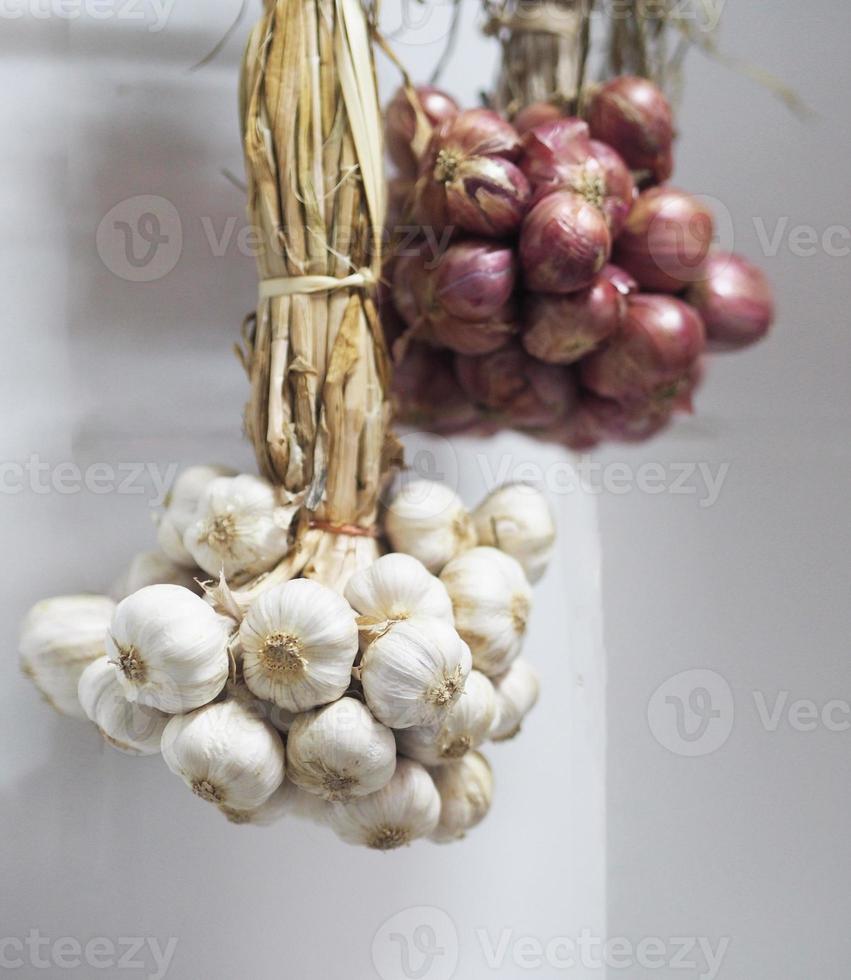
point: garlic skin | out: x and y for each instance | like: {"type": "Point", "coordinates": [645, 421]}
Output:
{"type": "Point", "coordinates": [397, 587]}
{"type": "Point", "coordinates": [518, 520]}
{"type": "Point", "coordinates": [429, 521]}
{"type": "Point", "coordinates": [169, 648]}
{"type": "Point", "coordinates": [240, 527]}
{"type": "Point", "coordinates": [491, 598]}
{"type": "Point", "coordinates": [128, 727]}
{"type": "Point", "coordinates": [154, 568]}
{"type": "Point", "coordinates": [414, 672]}
{"type": "Point", "coordinates": [59, 638]}
{"type": "Point", "coordinates": [466, 726]}
{"type": "Point", "coordinates": [180, 510]}
{"type": "Point", "coordinates": [299, 642]}
{"type": "Point", "coordinates": [340, 752]}
{"type": "Point", "coordinates": [404, 810]}
{"type": "Point", "coordinates": [516, 694]}
{"type": "Point", "coordinates": [287, 801]}
{"type": "Point", "coordinates": [466, 792]}
{"type": "Point", "coordinates": [225, 754]}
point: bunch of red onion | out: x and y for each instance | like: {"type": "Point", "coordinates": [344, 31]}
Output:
{"type": "Point", "coordinates": [550, 280]}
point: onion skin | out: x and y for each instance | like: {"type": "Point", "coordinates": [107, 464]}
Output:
{"type": "Point", "coordinates": [654, 355]}
{"type": "Point", "coordinates": [666, 240]}
{"type": "Point", "coordinates": [534, 115]}
{"type": "Point", "coordinates": [468, 179]}
{"type": "Point", "coordinates": [400, 123]}
{"type": "Point", "coordinates": [563, 329]}
{"type": "Point", "coordinates": [620, 279]}
{"type": "Point", "coordinates": [598, 419]}
{"type": "Point", "coordinates": [517, 389]}
{"type": "Point", "coordinates": [474, 279]}
{"type": "Point", "coordinates": [427, 395]}
{"type": "Point", "coordinates": [620, 193]}
{"type": "Point", "coordinates": [474, 337]}
{"type": "Point", "coordinates": [463, 301]}
{"type": "Point", "coordinates": [634, 117]}
{"type": "Point", "coordinates": [564, 243]}
{"type": "Point", "coordinates": [735, 301]}
{"type": "Point", "coordinates": [552, 152]}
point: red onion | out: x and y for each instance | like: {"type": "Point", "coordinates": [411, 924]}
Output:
{"type": "Point", "coordinates": [562, 329]}
{"type": "Point", "coordinates": [621, 280]}
{"type": "Point", "coordinates": [535, 114]}
{"type": "Point", "coordinates": [474, 279]}
{"type": "Point", "coordinates": [634, 118]}
{"type": "Point", "coordinates": [564, 243]}
{"type": "Point", "coordinates": [468, 179]}
{"type": "Point", "coordinates": [597, 419]}
{"type": "Point", "coordinates": [666, 240]}
{"type": "Point", "coordinates": [515, 387]}
{"type": "Point", "coordinates": [474, 336]}
{"type": "Point", "coordinates": [654, 354]}
{"type": "Point", "coordinates": [734, 299]}
{"type": "Point", "coordinates": [462, 301]}
{"type": "Point", "coordinates": [427, 393]}
{"type": "Point", "coordinates": [400, 122]}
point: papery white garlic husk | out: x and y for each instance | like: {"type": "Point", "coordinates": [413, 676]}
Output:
{"type": "Point", "coordinates": [516, 695]}
{"type": "Point", "coordinates": [414, 672]}
{"type": "Point", "coordinates": [517, 519]}
{"type": "Point", "coordinates": [180, 507]}
{"type": "Point", "coordinates": [288, 801]}
{"type": "Point", "coordinates": [59, 638]}
{"type": "Point", "coordinates": [155, 568]}
{"type": "Point", "coordinates": [225, 754]}
{"type": "Point", "coordinates": [169, 648]}
{"type": "Point", "coordinates": [394, 588]}
{"type": "Point", "coordinates": [299, 642]}
{"type": "Point", "coordinates": [129, 727]}
{"type": "Point", "coordinates": [429, 521]}
{"type": "Point", "coordinates": [467, 725]}
{"type": "Point", "coordinates": [466, 790]}
{"type": "Point", "coordinates": [241, 527]}
{"type": "Point", "coordinates": [404, 810]}
{"type": "Point", "coordinates": [340, 752]}
{"type": "Point", "coordinates": [491, 599]}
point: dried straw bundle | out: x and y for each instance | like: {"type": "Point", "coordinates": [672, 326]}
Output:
{"type": "Point", "coordinates": [318, 415]}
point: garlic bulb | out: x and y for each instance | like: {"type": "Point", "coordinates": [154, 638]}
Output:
{"type": "Point", "coordinates": [466, 791]}
{"type": "Point", "coordinates": [169, 648]}
{"type": "Point", "coordinates": [154, 568]}
{"type": "Point", "coordinates": [340, 752]}
{"type": "Point", "coordinates": [491, 599]}
{"type": "Point", "coordinates": [465, 726]}
{"type": "Point", "coordinates": [59, 638]}
{"type": "Point", "coordinates": [225, 754]}
{"type": "Point", "coordinates": [299, 642]}
{"type": "Point", "coordinates": [517, 519]}
{"type": "Point", "coordinates": [516, 695]}
{"type": "Point", "coordinates": [407, 808]}
{"type": "Point", "coordinates": [180, 510]}
{"type": "Point", "coordinates": [240, 527]}
{"type": "Point", "coordinates": [397, 587]}
{"type": "Point", "coordinates": [287, 801]}
{"type": "Point", "coordinates": [131, 728]}
{"type": "Point", "coordinates": [414, 672]}
{"type": "Point", "coordinates": [429, 521]}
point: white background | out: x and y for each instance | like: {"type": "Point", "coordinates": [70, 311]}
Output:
{"type": "Point", "coordinates": [747, 844]}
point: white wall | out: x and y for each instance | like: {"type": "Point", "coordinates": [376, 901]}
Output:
{"type": "Point", "coordinates": [102, 369]}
